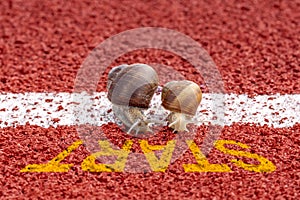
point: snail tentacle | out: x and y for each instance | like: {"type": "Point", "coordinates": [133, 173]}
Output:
{"type": "Point", "coordinates": [132, 117]}
{"type": "Point", "coordinates": [134, 125]}
{"type": "Point", "coordinates": [179, 121]}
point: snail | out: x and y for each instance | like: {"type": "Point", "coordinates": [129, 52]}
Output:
{"type": "Point", "coordinates": [182, 98]}
{"type": "Point", "coordinates": [130, 90]}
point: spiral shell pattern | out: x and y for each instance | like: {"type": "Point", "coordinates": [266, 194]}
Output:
{"type": "Point", "coordinates": [181, 97]}
{"type": "Point", "coordinates": [132, 85]}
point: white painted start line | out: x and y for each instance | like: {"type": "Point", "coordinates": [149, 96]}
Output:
{"type": "Point", "coordinates": [58, 109]}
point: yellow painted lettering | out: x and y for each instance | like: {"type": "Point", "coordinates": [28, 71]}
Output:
{"type": "Point", "coordinates": [54, 164]}
{"type": "Point", "coordinates": [264, 166]}
{"type": "Point", "coordinates": [203, 164]}
{"type": "Point", "coordinates": [89, 164]}
{"type": "Point", "coordinates": [158, 165]}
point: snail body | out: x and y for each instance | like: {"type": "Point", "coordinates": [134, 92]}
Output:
{"type": "Point", "coordinates": [182, 98]}
{"type": "Point", "coordinates": [133, 118]}
{"type": "Point", "coordinates": [130, 89]}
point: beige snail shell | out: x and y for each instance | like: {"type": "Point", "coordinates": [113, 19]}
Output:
{"type": "Point", "coordinates": [130, 89]}
{"type": "Point", "coordinates": [182, 98]}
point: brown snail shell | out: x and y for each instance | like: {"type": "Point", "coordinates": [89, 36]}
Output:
{"type": "Point", "coordinates": [130, 89]}
{"type": "Point", "coordinates": [112, 75]}
{"type": "Point", "coordinates": [132, 85]}
{"type": "Point", "coordinates": [181, 97]}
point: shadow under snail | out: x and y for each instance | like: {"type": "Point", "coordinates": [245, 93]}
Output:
{"type": "Point", "coordinates": [130, 89]}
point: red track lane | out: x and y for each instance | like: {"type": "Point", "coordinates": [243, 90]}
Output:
{"type": "Point", "coordinates": [255, 45]}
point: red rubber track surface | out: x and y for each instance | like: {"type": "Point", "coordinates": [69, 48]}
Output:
{"type": "Point", "coordinates": [255, 45]}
